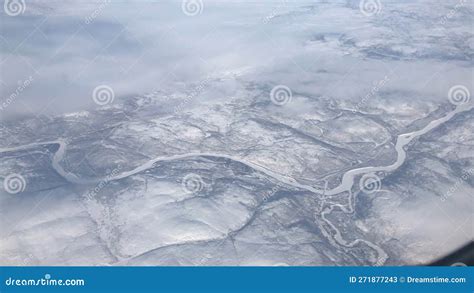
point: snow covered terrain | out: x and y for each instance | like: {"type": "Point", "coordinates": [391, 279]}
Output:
{"type": "Point", "coordinates": [236, 133]}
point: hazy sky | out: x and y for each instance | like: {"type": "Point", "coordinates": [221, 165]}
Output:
{"type": "Point", "coordinates": [67, 48]}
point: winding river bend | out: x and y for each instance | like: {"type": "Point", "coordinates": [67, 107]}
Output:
{"type": "Point", "coordinates": [346, 184]}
